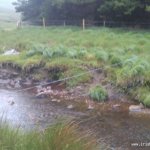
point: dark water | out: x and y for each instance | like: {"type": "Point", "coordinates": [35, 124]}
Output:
{"type": "Point", "coordinates": [117, 128]}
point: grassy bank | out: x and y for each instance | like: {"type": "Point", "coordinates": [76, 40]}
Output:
{"type": "Point", "coordinates": [62, 136]}
{"type": "Point", "coordinates": [64, 52]}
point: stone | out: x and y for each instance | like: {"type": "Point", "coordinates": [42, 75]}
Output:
{"type": "Point", "coordinates": [58, 101]}
{"type": "Point", "coordinates": [12, 103]}
{"type": "Point", "coordinates": [90, 107]}
{"type": "Point", "coordinates": [11, 52]}
{"type": "Point", "coordinates": [70, 106]}
{"type": "Point", "coordinates": [116, 106]}
{"type": "Point", "coordinates": [54, 100]}
{"type": "Point", "coordinates": [136, 108]}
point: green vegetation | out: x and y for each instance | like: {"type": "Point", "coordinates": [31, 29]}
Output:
{"type": "Point", "coordinates": [61, 136]}
{"type": "Point", "coordinates": [98, 93]}
{"type": "Point", "coordinates": [63, 52]}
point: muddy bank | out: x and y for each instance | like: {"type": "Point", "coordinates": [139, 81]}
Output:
{"type": "Point", "coordinates": [12, 80]}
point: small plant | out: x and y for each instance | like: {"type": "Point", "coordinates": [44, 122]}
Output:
{"type": "Point", "coordinates": [116, 60]}
{"type": "Point", "coordinates": [101, 56]}
{"type": "Point", "coordinates": [98, 93]}
{"type": "Point", "coordinates": [142, 94]}
{"type": "Point", "coordinates": [72, 53]}
{"type": "Point", "coordinates": [147, 100]}
{"type": "Point", "coordinates": [59, 51]}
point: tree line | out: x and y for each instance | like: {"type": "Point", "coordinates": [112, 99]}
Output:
{"type": "Point", "coordinates": [109, 10]}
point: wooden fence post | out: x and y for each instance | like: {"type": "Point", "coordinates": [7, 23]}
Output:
{"type": "Point", "coordinates": [104, 23]}
{"type": "Point", "coordinates": [19, 24]}
{"type": "Point", "coordinates": [64, 23]}
{"type": "Point", "coordinates": [44, 22]}
{"type": "Point", "coordinates": [83, 24]}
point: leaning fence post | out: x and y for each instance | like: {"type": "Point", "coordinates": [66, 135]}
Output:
{"type": "Point", "coordinates": [19, 24]}
{"type": "Point", "coordinates": [44, 22]}
{"type": "Point", "coordinates": [64, 23]}
{"type": "Point", "coordinates": [83, 24]}
{"type": "Point", "coordinates": [104, 23]}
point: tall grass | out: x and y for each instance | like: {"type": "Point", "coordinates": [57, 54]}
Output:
{"type": "Point", "coordinates": [61, 136]}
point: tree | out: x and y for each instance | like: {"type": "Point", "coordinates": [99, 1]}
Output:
{"type": "Point", "coordinates": [56, 9]}
{"type": "Point", "coordinates": [116, 10]}
{"type": "Point", "coordinates": [30, 9]}
{"type": "Point", "coordinates": [125, 10]}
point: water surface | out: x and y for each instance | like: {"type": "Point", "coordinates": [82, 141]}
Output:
{"type": "Point", "coordinates": [117, 128]}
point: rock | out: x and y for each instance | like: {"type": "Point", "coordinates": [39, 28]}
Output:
{"type": "Point", "coordinates": [11, 52]}
{"type": "Point", "coordinates": [43, 92]}
{"type": "Point", "coordinates": [17, 84]}
{"type": "Point", "coordinates": [27, 82]}
{"type": "Point", "coordinates": [90, 107]}
{"type": "Point", "coordinates": [11, 102]}
{"type": "Point", "coordinates": [58, 101]}
{"type": "Point", "coordinates": [116, 106]}
{"type": "Point", "coordinates": [136, 108]}
{"type": "Point", "coordinates": [70, 106]}
{"type": "Point", "coordinates": [54, 100]}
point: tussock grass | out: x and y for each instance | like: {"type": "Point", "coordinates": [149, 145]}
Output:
{"type": "Point", "coordinates": [98, 93]}
{"type": "Point", "coordinates": [61, 136]}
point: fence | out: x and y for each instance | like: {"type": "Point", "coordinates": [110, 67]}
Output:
{"type": "Point", "coordinates": [80, 23]}
{"type": "Point", "coordinates": [88, 23]}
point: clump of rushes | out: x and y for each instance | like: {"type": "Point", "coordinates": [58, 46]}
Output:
{"type": "Point", "coordinates": [98, 93]}
{"type": "Point", "coordinates": [101, 55]}
{"type": "Point", "coordinates": [61, 136]}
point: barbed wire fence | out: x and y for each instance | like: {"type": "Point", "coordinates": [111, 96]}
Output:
{"type": "Point", "coordinates": [85, 23]}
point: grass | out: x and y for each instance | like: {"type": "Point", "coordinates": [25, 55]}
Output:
{"type": "Point", "coordinates": [61, 136]}
{"type": "Point", "coordinates": [98, 93]}
{"type": "Point", "coordinates": [69, 51]}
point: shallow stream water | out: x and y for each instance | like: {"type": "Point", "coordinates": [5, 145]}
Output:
{"type": "Point", "coordinates": [117, 128]}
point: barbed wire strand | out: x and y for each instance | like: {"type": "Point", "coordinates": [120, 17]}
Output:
{"type": "Point", "coordinates": [68, 78]}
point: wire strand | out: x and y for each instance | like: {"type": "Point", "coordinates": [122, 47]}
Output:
{"type": "Point", "coordinates": [68, 78]}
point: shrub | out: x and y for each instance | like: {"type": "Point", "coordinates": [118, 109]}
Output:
{"type": "Point", "coordinates": [98, 93]}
